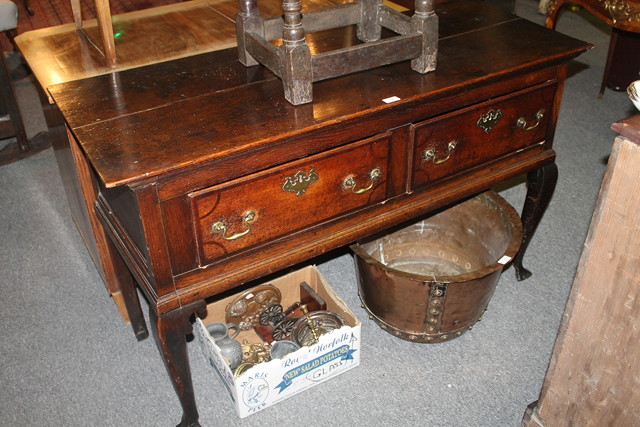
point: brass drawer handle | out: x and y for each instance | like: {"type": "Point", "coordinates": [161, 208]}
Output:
{"type": "Point", "coordinates": [221, 228]}
{"type": "Point", "coordinates": [430, 154]}
{"type": "Point", "coordinates": [350, 182]}
{"type": "Point", "coordinates": [522, 122]}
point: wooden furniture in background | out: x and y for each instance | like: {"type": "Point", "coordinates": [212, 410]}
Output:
{"type": "Point", "coordinates": [105, 27]}
{"type": "Point", "coordinates": [10, 119]}
{"type": "Point", "coordinates": [190, 158]}
{"type": "Point", "coordinates": [11, 124]}
{"type": "Point", "coordinates": [623, 63]}
{"type": "Point", "coordinates": [624, 18]}
{"type": "Point", "coordinates": [594, 375]}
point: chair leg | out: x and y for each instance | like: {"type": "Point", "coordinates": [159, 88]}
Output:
{"type": "Point", "coordinates": [8, 93]}
{"type": "Point", "coordinates": [607, 67]}
{"type": "Point", "coordinates": [77, 13]}
{"type": "Point", "coordinates": [21, 147]}
{"type": "Point", "coordinates": [105, 25]}
{"type": "Point", "coordinates": [11, 35]}
{"type": "Point", "coordinates": [30, 11]}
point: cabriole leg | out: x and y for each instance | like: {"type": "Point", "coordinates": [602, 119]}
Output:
{"type": "Point", "coordinates": [540, 185]}
{"type": "Point", "coordinates": [170, 330]}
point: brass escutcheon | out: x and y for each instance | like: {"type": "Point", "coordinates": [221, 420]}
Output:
{"type": "Point", "coordinates": [487, 121]}
{"type": "Point", "coordinates": [221, 228]}
{"type": "Point", "coordinates": [299, 182]}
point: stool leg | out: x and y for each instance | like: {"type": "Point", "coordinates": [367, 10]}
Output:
{"type": "Point", "coordinates": [426, 22]}
{"type": "Point", "coordinates": [248, 20]}
{"type": "Point", "coordinates": [295, 56]}
{"type": "Point", "coordinates": [369, 29]}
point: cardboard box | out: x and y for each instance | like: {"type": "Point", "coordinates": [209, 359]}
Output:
{"type": "Point", "coordinates": [268, 383]}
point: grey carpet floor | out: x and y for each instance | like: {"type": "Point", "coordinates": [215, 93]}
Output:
{"type": "Point", "coordinates": [66, 358]}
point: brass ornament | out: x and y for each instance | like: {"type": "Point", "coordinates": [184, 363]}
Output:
{"type": "Point", "coordinates": [245, 309]}
{"type": "Point", "coordinates": [621, 11]}
{"type": "Point", "coordinates": [242, 368]}
{"type": "Point", "coordinates": [282, 330]}
{"type": "Point", "coordinates": [487, 121]}
{"type": "Point", "coordinates": [299, 182]}
{"type": "Point", "coordinates": [255, 353]}
{"type": "Point", "coordinates": [308, 329]}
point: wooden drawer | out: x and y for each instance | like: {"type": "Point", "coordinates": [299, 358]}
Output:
{"type": "Point", "coordinates": [258, 208]}
{"type": "Point", "coordinates": [481, 133]}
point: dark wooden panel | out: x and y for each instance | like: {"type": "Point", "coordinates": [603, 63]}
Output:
{"type": "Point", "coordinates": [629, 128]}
{"type": "Point", "coordinates": [178, 222]}
{"type": "Point", "coordinates": [278, 211]}
{"type": "Point", "coordinates": [318, 139]}
{"type": "Point", "coordinates": [6, 128]}
{"type": "Point", "coordinates": [473, 144]}
{"type": "Point", "coordinates": [124, 204]}
{"type": "Point", "coordinates": [161, 275]}
{"type": "Point", "coordinates": [119, 93]}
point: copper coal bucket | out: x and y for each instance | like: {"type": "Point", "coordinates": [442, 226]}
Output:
{"type": "Point", "coordinates": [431, 281]}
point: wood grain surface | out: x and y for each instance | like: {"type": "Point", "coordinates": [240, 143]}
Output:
{"type": "Point", "coordinates": [127, 138]}
{"type": "Point", "coordinates": [63, 53]}
{"type": "Point", "coordinates": [594, 377]}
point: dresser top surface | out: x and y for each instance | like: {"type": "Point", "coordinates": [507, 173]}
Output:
{"type": "Point", "coordinates": [629, 128]}
{"type": "Point", "coordinates": [142, 123]}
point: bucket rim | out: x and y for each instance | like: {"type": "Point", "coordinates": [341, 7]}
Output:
{"type": "Point", "coordinates": [512, 249]}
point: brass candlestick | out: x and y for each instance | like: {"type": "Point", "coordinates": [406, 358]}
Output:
{"type": "Point", "coordinates": [310, 323]}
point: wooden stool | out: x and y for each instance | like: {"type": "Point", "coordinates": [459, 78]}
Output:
{"type": "Point", "coordinates": [298, 68]}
